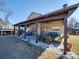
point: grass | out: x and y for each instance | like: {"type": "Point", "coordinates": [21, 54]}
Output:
{"type": "Point", "coordinates": [74, 40]}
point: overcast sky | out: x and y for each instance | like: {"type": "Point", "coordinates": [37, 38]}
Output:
{"type": "Point", "coordinates": [22, 8]}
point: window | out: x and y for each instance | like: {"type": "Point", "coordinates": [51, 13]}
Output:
{"type": "Point", "coordinates": [56, 29]}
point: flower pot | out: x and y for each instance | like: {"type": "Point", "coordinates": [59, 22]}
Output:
{"type": "Point", "coordinates": [69, 46]}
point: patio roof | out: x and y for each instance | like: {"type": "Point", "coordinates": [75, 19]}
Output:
{"type": "Point", "coordinates": [56, 15]}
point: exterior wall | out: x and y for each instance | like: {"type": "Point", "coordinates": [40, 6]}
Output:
{"type": "Point", "coordinates": [32, 27]}
{"type": "Point", "coordinates": [33, 15]}
{"type": "Point", "coordinates": [51, 24]}
{"type": "Point", "coordinates": [47, 26]}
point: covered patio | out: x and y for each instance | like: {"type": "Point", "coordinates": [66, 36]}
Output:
{"type": "Point", "coordinates": [44, 23]}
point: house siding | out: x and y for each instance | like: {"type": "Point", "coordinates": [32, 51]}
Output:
{"type": "Point", "coordinates": [48, 25]}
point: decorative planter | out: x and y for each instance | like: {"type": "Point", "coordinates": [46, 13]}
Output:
{"type": "Point", "coordinates": [69, 46]}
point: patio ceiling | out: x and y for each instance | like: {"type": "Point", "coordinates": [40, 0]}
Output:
{"type": "Point", "coordinates": [56, 15]}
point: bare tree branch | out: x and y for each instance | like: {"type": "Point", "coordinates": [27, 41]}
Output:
{"type": "Point", "coordinates": [4, 9]}
{"type": "Point", "coordinates": [9, 13]}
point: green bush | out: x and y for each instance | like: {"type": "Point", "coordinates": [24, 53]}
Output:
{"type": "Point", "coordinates": [59, 39]}
{"type": "Point", "coordinates": [48, 39]}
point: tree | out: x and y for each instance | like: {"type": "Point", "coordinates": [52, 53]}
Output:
{"type": "Point", "coordinates": [4, 9]}
{"type": "Point", "coordinates": [7, 12]}
{"type": "Point", "coordinates": [72, 23]}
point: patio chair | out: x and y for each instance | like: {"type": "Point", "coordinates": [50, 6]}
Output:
{"type": "Point", "coordinates": [53, 34]}
{"type": "Point", "coordinates": [41, 38]}
{"type": "Point", "coordinates": [45, 38]}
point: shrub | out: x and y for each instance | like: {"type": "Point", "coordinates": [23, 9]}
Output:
{"type": "Point", "coordinates": [48, 39]}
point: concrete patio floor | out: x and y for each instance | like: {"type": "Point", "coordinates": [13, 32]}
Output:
{"type": "Point", "coordinates": [13, 48]}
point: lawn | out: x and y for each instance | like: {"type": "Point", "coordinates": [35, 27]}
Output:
{"type": "Point", "coordinates": [74, 40]}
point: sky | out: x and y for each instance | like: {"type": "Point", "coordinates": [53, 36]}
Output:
{"type": "Point", "coordinates": [22, 8]}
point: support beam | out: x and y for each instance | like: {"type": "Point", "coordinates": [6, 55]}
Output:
{"type": "Point", "coordinates": [11, 32]}
{"type": "Point", "coordinates": [1, 33]}
{"type": "Point", "coordinates": [14, 30]}
{"type": "Point", "coordinates": [36, 32]}
{"type": "Point", "coordinates": [65, 34]}
{"type": "Point", "coordinates": [19, 31]}
{"type": "Point", "coordinates": [25, 31]}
